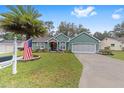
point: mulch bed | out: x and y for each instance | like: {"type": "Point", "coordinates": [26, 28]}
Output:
{"type": "Point", "coordinates": [35, 57]}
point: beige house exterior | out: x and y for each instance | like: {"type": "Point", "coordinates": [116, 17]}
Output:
{"type": "Point", "coordinates": [114, 44]}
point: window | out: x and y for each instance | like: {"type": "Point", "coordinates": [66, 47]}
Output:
{"type": "Point", "coordinates": [112, 45]}
{"type": "Point", "coordinates": [62, 45]}
{"type": "Point", "coordinates": [37, 44]}
{"type": "Point", "coordinates": [42, 45]}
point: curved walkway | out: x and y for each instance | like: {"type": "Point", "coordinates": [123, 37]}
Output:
{"type": "Point", "coordinates": [101, 71]}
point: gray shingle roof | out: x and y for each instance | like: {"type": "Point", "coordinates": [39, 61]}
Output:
{"type": "Point", "coordinates": [41, 39]}
{"type": "Point", "coordinates": [121, 39]}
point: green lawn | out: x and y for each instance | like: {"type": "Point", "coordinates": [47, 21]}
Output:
{"type": "Point", "coordinates": [118, 55]}
{"type": "Point", "coordinates": [52, 70]}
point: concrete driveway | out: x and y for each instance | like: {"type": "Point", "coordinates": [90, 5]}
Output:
{"type": "Point", "coordinates": [101, 71]}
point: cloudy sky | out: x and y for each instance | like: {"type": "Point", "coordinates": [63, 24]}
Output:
{"type": "Point", "coordinates": [96, 18]}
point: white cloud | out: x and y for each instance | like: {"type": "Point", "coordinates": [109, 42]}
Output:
{"type": "Point", "coordinates": [93, 13]}
{"type": "Point", "coordinates": [80, 12]}
{"type": "Point", "coordinates": [116, 16]}
{"type": "Point", "coordinates": [119, 10]}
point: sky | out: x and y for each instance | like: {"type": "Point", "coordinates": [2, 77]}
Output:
{"type": "Point", "coordinates": [94, 17]}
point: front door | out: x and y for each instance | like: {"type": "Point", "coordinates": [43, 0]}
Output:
{"type": "Point", "coordinates": [53, 46]}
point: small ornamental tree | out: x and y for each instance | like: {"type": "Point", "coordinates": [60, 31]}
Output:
{"type": "Point", "coordinates": [22, 20]}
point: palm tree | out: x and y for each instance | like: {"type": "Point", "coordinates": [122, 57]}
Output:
{"type": "Point", "coordinates": [22, 20]}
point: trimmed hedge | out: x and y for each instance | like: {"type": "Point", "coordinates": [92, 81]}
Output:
{"type": "Point", "coordinates": [106, 51]}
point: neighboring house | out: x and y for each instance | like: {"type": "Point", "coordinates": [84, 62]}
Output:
{"type": "Point", "coordinates": [114, 44]}
{"type": "Point", "coordinates": [82, 43]}
{"type": "Point", "coordinates": [7, 46]}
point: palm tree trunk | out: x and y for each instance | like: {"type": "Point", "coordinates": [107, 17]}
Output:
{"type": "Point", "coordinates": [28, 36]}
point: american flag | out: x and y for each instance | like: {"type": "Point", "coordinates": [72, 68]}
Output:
{"type": "Point", "coordinates": [27, 54]}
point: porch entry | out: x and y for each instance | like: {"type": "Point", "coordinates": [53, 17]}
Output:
{"type": "Point", "coordinates": [53, 45]}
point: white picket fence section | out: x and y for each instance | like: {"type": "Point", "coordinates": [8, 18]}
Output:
{"type": "Point", "coordinates": [8, 63]}
{"type": "Point", "coordinates": [13, 49]}
{"type": "Point", "coordinates": [6, 48]}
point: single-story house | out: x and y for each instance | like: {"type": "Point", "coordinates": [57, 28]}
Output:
{"type": "Point", "coordinates": [113, 43]}
{"type": "Point", "coordinates": [81, 43]}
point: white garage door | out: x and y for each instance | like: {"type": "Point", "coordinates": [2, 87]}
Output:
{"type": "Point", "coordinates": [83, 48]}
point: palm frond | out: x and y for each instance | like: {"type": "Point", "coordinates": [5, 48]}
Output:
{"type": "Point", "coordinates": [22, 20]}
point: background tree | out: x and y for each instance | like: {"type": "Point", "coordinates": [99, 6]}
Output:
{"type": "Point", "coordinates": [119, 30]}
{"type": "Point", "coordinates": [70, 29]}
{"type": "Point", "coordinates": [83, 29]}
{"type": "Point", "coordinates": [63, 28]}
{"type": "Point", "coordinates": [106, 34]}
{"type": "Point", "coordinates": [99, 35]}
{"type": "Point", "coordinates": [10, 36]}
{"type": "Point", "coordinates": [50, 26]}
{"type": "Point", "coordinates": [51, 34]}
{"type": "Point", "coordinates": [22, 20]}
{"type": "Point", "coordinates": [103, 35]}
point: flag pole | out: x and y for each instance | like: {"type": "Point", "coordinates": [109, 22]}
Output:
{"type": "Point", "coordinates": [14, 64]}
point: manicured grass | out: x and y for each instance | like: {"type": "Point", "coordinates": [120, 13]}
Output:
{"type": "Point", "coordinates": [118, 55]}
{"type": "Point", "coordinates": [52, 70]}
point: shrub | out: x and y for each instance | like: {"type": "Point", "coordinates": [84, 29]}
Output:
{"type": "Point", "coordinates": [106, 51]}
{"type": "Point", "coordinates": [64, 51]}
{"type": "Point", "coordinates": [45, 50]}
{"type": "Point", "coordinates": [67, 51]}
